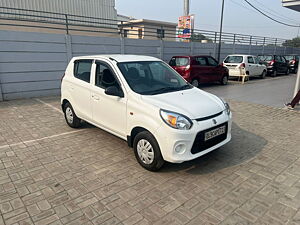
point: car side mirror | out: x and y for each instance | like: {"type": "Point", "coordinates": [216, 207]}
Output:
{"type": "Point", "coordinates": [114, 91]}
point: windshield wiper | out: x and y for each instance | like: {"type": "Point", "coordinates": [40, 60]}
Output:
{"type": "Point", "coordinates": [168, 89]}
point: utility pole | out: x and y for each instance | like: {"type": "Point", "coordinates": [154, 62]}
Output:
{"type": "Point", "coordinates": [221, 29]}
{"type": "Point", "coordinates": [186, 9]}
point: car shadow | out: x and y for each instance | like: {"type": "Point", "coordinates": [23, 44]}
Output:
{"type": "Point", "coordinates": [243, 146]}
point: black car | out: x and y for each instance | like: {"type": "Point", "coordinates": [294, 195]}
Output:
{"type": "Point", "coordinates": [293, 61]}
{"type": "Point", "coordinates": [275, 64]}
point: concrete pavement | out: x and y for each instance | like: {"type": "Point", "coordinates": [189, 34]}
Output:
{"type": "Point", "coordinates": [52, 174]}
{"type": "Point", "coordinates": [270, 91]}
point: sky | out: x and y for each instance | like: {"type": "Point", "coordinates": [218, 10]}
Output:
{"type": "Point", "coordinates": [238, 16]}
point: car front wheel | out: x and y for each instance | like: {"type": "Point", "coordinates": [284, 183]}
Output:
{"type": "Point", "coordinates": [70, 116]}
{"type": "Point", "coordinates": [147, 151]}
{"type": "Point", "coordinates": [263, 75]}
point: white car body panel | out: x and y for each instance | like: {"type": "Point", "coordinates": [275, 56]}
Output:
{"type": "Point", "coordinates": [120, 116]}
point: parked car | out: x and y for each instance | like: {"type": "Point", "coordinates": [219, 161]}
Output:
{"type": "Point", "coordinates": [293, 61]}
{"type": "Point", "coordinates": [141, 99]}
{"type": "Point", "coordinates": [199, 69]}
{"type": "Point", "coordinates": [275, 64]}
{"type": "Point", "coordinates": [239, 65]}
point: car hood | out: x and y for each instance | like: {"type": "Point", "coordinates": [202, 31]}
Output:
{"type": "Point", "coordinates": [193, 102]}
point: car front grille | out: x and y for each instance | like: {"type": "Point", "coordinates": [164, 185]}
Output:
{"type": "Point", "coordinates": [201, 145]}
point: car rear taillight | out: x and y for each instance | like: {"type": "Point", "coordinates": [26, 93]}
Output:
{"type": "Point", "coordinates": [243, 65]}
{"type": "Point", "coordinates": [187, 67]}
{"type": "Point", "coordinates": [271, 63]}
{"type": "Point", "coordinates": [293, 61]}
{"type": "Point", "coordinates": [62, 77]}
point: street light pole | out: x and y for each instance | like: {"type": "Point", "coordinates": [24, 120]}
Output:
{"type": "Point", "coordinates": [221, 29]}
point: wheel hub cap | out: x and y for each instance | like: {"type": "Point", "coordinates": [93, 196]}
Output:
{"type": "Point", "coordinates": [69, 115]}
{"type": "Point", "coordinates": [145, 151]}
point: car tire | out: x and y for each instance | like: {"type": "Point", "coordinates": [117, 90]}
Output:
{"type": "Point", "coordinates": [274, 74]}
{"type": "Point", "coordinates": [70, 116]}
{"type": "Point", "coordinates": [295, 71]}
{"type": "Point", "coordinates": [195, 83]}
{"type": "Point", "coordinates": [224, 80]}
{"type": "Point", "coordinates": [263, 75]}
{"type": "Point", "coordinates": [287, 71]}
{"type": "Point", "coordinates": [147, 151]}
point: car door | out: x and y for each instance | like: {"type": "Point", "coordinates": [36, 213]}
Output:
{"type": "Point", "coordinates": [251, 66]}
{"type": "Point", "coordinates": [216, 71]}
{"type": "Point", "coordinates": [278, 64]}
{"type": "Point", "coordinates": [201, 69]}
{"type": "Point", "coordinates": [109, 112]}
{"type": "Point", "coordinates": [259, 67]}
{"type": "Point", "coordinates": [285, 64]}
{"type": "Point", "coordinates": [79, 88]}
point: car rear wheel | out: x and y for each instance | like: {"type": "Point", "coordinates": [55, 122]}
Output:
{"type": "Point", "coordinates": [70, 116]}
{"type": "Point", "coordinates": [224, 80]}
{"type": "Point", "coordinates": [274, 74]}
{"type": "Point", "coordinates": [195, 83]}
{"type": "Point", "coordinates": [263, 75]}
{"type": "Point", "coordinates": [295, 71]}
{"type": "Point", "coordinates": [147, 151]}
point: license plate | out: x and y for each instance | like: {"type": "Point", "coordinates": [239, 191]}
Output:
{"type": "Point", "coordinates": [214, 133]}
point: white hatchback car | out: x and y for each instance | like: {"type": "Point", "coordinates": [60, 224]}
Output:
{"type": "Point", "coordinates": [239, 65]}
{"type": "Point", "coordinates": [141, 99]}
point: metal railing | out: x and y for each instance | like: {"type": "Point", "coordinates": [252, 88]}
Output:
{"type": "Point", "coordinates": [69, 23]}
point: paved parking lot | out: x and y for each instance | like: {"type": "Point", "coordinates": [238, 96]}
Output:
{"type": "Point", "coordinates": [52, 174]}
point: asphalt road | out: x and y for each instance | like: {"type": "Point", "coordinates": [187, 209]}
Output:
{"type": "Point", "coordinates": [270, 91]}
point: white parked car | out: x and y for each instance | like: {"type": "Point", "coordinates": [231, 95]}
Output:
{"type": "Point", "coordinates": [141, 99]}
{"type": "Point", "coordinates": [239, 65]}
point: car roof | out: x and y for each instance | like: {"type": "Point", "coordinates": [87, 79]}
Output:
{"type": "Point", "coordinates": [190, 56]}
{"type": "Point", "coordinates": [240, 55]}
{"type": "Point", "coordinates": [119, 57]}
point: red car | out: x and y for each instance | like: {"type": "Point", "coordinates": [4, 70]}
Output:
{"type": "Point", "coordinates": [199, 69]}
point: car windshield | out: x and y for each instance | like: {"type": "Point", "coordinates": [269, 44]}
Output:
{"type": "Point", "coordinates": [266, 58]}
{"type": "Point", "coordinates": [152, 77]}
{"type": "Point", "coordinates": [233, 59]}
{"type": "Point", "coordinates": [179, 61]}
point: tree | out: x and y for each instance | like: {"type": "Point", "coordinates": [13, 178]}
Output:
{"type": "Point", "coordinates": [197, 37]}
{"type": "Point", "coordinates": [295, 42]}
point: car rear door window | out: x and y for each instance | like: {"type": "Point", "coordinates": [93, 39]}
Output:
{"type": "Point", "coordinates": [201, 61]}
{"type": "Point", "coordinates": [277, 58]}
{"type": "Point", "coordinates": [250, 59]}
{"type": "Point", "coordinates": [82, 69]}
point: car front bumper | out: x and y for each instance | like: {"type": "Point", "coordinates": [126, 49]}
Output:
{"type": "Point", "coordinates": [169, 139]}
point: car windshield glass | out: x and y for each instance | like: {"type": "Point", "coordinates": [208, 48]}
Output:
{"type": "Point", "coordinates": [265, 58]}
{"type": "Point", "coordinates": [289, 57]}
{"type": "Point", "coordinates": [179, 61]}
{"type": "Point", "coordinates": [233, 59]}
{"type": "Point", "coordinates": [152, 77]}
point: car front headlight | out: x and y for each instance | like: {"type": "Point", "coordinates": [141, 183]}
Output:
{"type": "Point", "coordinates": [176, 120]}
{"type": "Point", "coordinates": [227, 107]}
